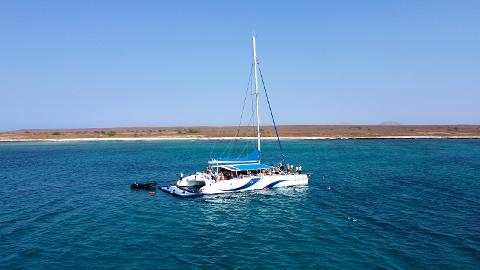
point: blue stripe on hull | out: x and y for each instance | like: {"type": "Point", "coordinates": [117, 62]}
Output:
{"type": "Point", "coordinates": [247, 185]}
{"type": "Point", "coordinates": [271, 185]}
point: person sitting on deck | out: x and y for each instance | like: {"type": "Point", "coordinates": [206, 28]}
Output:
{"type": "Point", "coordinates": [281, 167]}
{"type": "Point", "coordinates": [181, 176]}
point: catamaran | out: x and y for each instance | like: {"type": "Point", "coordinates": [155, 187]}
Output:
{"type": "Point", "coordinates": [226, 175]}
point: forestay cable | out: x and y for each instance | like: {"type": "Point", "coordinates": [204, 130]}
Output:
{"type": "Point", "coordinates": [271, 113]}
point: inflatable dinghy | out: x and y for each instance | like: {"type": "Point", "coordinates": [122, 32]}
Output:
{"type": "Point", "coordinates": [181, 192]}
{"type": "Point", "coordinates": [148, 186]}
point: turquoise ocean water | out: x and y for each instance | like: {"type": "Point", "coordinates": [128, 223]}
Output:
{"type": "Point", "coordinates": [395, 204]}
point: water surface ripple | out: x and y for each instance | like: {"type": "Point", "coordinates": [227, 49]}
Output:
{"type": "Point", "coordinates": [395, 204]}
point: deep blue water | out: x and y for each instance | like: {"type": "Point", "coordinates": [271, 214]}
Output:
{"type": "Point", "coordinates": [396, 204]}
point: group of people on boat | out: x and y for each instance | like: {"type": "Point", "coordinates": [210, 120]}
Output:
{"type": "Point", "coordinates": [223, 174]}
{"type": "Point", "coordinates": [288, 169]}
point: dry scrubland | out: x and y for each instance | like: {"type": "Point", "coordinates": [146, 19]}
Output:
{"type": "Point", "coordinates": [335, 131]}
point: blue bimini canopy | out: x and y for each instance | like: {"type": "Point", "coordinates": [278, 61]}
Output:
{"type": "Point", "coordinates": [247, 167]}
{"type": "Point", "coordinates": [253, 157]}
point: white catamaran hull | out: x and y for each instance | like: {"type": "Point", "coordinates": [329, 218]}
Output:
{"type": "Point", "coordinates": [253, 183]}
{"type": "Point", "coordinates": [197, 179]}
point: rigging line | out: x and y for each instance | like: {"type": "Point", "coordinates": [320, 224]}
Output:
{"type": "Point", "coordinates": [245, 100]}
{"type": "Point", "coordinates": [271, 113]}
{"type": "Point", "coordinates": [212, 149]}
{"type": "Point", "coordinates": [248, 142]}
{"type": "Point", "coordinates": [252, 99]}
{"type": "Point", "coordinates": [250, 122]}
{"type": "Point", "coordinates": [231, 145]}
{"type": "Point", "coordinates": [236, 139]}
{"type": "Point", "coordinates": [246, 129]}
{"type": "Point", "coordinates": [253, 122]}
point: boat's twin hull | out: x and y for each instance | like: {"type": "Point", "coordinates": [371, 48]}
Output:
{"type": "Point", "coordinates": [239, 184]}
{"type": "Point", "coordinates": [253, 183]}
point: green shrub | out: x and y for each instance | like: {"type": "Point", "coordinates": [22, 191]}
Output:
{"type": "Point", "coordinates": [187, 131]}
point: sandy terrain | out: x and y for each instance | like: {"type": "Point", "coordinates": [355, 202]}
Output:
{"type": "Point", "coordinates": [286, 132]}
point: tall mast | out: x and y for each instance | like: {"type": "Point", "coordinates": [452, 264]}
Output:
{"type": "Point", "coordinates": [256, 91]}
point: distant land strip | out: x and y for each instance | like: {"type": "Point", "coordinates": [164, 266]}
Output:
{"type": "Point", "coordinates": [245, 132]}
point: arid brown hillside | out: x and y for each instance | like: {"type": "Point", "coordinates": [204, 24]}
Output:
{"type": "Point", "coordinates": [285, 131]}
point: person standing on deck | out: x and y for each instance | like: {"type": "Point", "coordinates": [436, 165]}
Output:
{"type": "Point", "coordinates": [299, 169]}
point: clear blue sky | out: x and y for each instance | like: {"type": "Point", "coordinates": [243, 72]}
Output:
{"type": "Point", "coordinates": [67, 64]}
